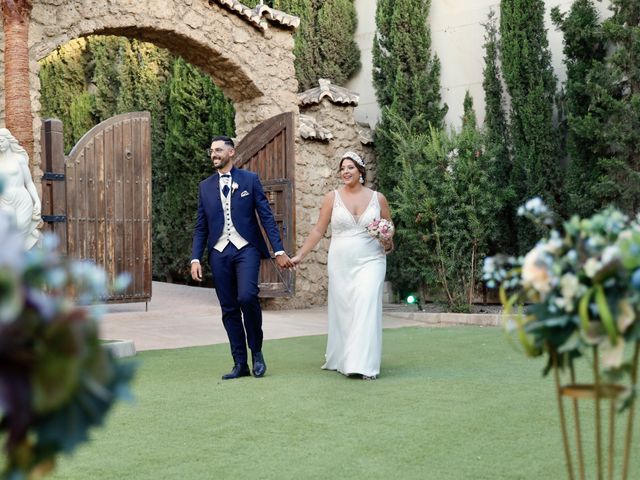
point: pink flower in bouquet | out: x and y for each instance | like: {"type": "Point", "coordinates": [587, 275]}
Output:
{"type": "Point", "coordinates": [381, 228]}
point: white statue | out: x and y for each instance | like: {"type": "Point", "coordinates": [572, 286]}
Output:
{"type": "Point", "coordinates": [19, 197]}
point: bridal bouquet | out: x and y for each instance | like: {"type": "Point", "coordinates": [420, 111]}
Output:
{"type": "Point", "coordinates": [381, 229]}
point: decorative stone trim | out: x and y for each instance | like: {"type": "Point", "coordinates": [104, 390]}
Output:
{"type": "Point", "coordinates": [256, 16]}
{"type": "Point", "coordinates": [336, 94]}
{"type": "Point", "coordinates": [311, 130]}
{"type": "Point", "coordinates": [365, 134]}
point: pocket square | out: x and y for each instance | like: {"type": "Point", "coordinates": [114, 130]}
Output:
{"type": "Point", "coordinates": [244, 193]}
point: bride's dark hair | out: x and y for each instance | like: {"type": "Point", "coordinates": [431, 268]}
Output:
{"type": "Point", "coordinates": [361, 169]}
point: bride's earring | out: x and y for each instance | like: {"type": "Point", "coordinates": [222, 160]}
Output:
{"type": "Point", "coordinates": [361, 179]}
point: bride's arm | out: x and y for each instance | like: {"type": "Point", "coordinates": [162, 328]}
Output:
{"type": "Point", "coordinates": [385, 212]}
{"type": "Point", "coordinates": [318, 231]}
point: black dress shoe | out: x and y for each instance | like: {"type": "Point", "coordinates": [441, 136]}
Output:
{"type": "Point", "coordinates": [259, 367]}
{"type": "Point", "coordinates": [238, 370]}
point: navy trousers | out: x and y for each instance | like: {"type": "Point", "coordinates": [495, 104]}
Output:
{"type": "Point", "coordinates": [235, 273]}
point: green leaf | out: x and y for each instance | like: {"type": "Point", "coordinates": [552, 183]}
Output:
{"type": "Point", "coordinates": [583, 309]}
{"type": "Point", "coordinates": [605, 314]}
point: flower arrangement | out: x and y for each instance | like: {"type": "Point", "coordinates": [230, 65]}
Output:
{"type": "Point", "coordinates": [234, 187]}
{"type": "Point", "coordinates": [56, 378]}
{"type": "Point", "coordinates": [578, 288]}
{"type": "Point", "coordinates": [381, 229]}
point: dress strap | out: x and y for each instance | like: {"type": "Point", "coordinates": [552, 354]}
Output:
{"type": "Point", "coordinates": [336, 197]}
{"type": "Point", "coordinates": [375, 199]}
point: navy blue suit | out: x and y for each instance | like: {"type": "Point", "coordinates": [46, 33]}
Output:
{"type": "Point", "coordinates": [235, 272]}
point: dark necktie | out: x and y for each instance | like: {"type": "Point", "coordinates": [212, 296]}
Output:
{"type": "Point", "coordinates": [225, 187]}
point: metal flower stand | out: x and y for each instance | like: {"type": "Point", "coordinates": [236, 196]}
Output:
{"type": "Point", "coordinates": [601, 393]}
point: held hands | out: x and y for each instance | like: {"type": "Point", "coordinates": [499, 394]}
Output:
{"type": "Point", "coordinates": [297, 259]}
{"type": "Point", "coordinates": [284, 261]}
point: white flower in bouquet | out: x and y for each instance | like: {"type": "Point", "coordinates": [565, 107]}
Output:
{"type": "Point", "coordinates": [381, 229]}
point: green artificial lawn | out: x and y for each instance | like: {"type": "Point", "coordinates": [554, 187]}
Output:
{"type": "Point", "coordinates": [451, 403]}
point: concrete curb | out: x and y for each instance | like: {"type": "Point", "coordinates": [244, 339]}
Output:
{"type": "Point", "coordinates": [427, 318]}
{"type": "Point", "coordinates": [121, 348]}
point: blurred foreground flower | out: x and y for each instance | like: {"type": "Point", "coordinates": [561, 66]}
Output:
{"type": "Point", "coordinates": [56, 378]}
{"type": "Point", "coordinates": [579, 287]}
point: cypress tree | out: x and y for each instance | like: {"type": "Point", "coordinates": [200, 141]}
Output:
{"type": "Point", "coordinates": [196, 111]}
{"type": "Point", "coordinates": [584, 49]}
{"type": "Point", "coordinates": [526, 67]}
{"type": "Point", "coordinates": [149, 69]}
{"type": "Point", "coordinates": [63, 86]}
{"type": "Point", "coordinates": [305, 50]}
{"type": "Point", "coordinates": [324, 42]}
{"type": "Point", "coordinates": [339, 53]}
{"type": "Point", "coordinates": [81, 116]}
{"type": "Point", "coordinates": [496, 133]}
{"type": "Point", "coordinates": [407, 81]}
{"type": "Point", "coordinates": [105, 52]}
{"type": "Point", "coordinates": [615, 89]}
{"type": "Point", "coordinates": [406, 78]}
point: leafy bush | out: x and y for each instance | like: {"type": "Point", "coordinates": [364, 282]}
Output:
{"type": "Point", "coordinates": [446, 202]}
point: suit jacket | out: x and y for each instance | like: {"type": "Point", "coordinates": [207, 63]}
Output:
{"type": "Point", "coordinates": [246, 201]}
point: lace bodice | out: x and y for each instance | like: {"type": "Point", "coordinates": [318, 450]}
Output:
{"type": "Point", "coordinates": [344, 223]}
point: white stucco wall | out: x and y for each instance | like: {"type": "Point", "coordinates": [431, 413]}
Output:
{"type": "Point", "coordinates": [458, 37]}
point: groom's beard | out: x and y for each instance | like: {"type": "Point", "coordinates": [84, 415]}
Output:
{"type": "Point", "coordinates": [222, 162]}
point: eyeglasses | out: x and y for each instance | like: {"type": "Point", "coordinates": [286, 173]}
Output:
{"type": "Point", "coordinates": [218, 150]}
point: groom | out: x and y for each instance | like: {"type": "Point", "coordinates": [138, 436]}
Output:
{"type": "Point", "coordinates": [227, 225]}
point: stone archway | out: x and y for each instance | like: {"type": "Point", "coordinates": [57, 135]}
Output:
{"type": "Point", "coordinates": [248, 52]}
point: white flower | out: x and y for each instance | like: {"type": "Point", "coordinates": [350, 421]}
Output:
{"type": "Point", "coordinates": [569, 285]}
{"type": "Point", "coordinates": [535, 271]}
{"type": "Point", "coordinates": [563, 304]}
{"type": "Point", "coordinates": [591, 267]}
{"type": "Point", "coordinates": [610, 254]}
{"type": "Point", "coordinates": [626, 315]}
{"type": "Point", "coordinates": [612, 355]}
{"type": "Point", "coordinates": [234, 187]}
{"type": "Point", "coordinates": [554, 244]}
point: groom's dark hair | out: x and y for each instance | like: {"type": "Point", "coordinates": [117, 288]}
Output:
{"type": "Point", "coordinates": [223, 138]}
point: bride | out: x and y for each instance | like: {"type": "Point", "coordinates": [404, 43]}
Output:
{"type": "Point", "coordinates": [356, 266]}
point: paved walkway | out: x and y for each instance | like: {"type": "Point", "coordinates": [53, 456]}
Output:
{"type": "Point", "coordinates": [183, 316]}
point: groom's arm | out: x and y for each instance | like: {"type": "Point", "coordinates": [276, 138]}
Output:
{"type": "Point", "coordinates": [200, 236]}
{"type": "Point", "coordinates": [269, 224]}
{"type": "Point", "coordinates": [265, 215]}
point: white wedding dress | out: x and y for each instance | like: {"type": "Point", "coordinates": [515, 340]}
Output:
{"type": "Point", "coordinates": [356, 266]}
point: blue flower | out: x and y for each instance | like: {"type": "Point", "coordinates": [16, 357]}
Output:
{"type": "Point", "coordinates": [635, 279]}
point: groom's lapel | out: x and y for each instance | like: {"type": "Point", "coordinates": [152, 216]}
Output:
{"type": "Point", "coordinates": [215, 192]}
{"type": "Point", "coordinates": [238, 177]}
